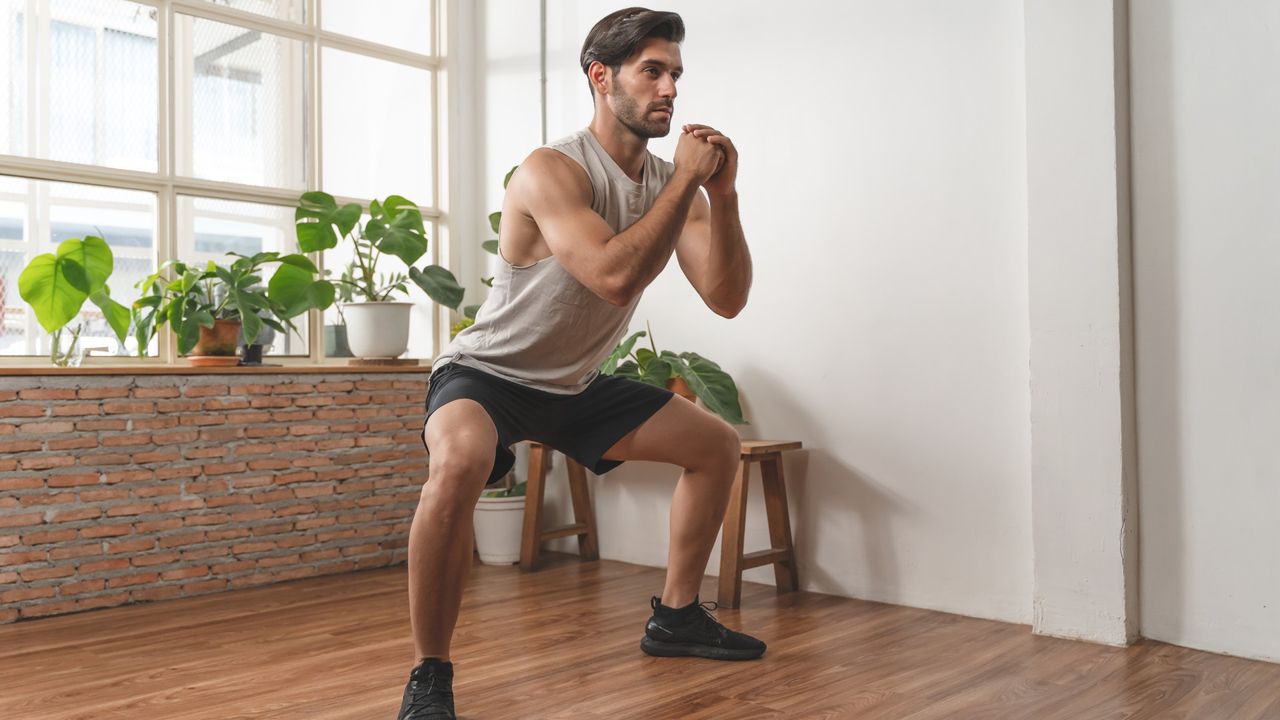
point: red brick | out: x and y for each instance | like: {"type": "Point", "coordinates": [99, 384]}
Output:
{"type": "Point", "coordinates": [251, 481]}
{"type": "Point", "coordinates": [334, 414]}
{"type": "Point", "coordinates": [264, 432]}
{"type": "Point", "coordinates": [48, 536]}
{"type": "Point", "coordinates": [8, 578]}
{"type": "Point", "coordinates": [128, 407]}
{"type": "Point", "coordinates": [174, 437]}
{"type": "Point", "coordinates": [100, 494]}
{"type": "Point", "coordinates": [233, 567]}
{"type": "Point", "coordinates": [101, 393]}
{"type": "Point", "coordinates": [373, 384]}
{"type": "Point", "coordinates": [47, 499]}
{"type": "Point", "coordinates": [218, 485]}
{"type": "Point", "coordinates": [102, 601]}
{"type": "Point", "coordinates": [223, 404]}
{"type": "Point", "coordinates": [255, 449]}
{"type": "Point", "coordinates": [47, 427]}
{"type": "Point", "coordinates": [20, 483]}
{"type": "Point", "coordinates": [180, 540]}
{"type": "Point", "coordinates": [294, 389]}
{"type": "Point", "coordinates": [309, 523]}
{"type": "Point", "coordinates": [295, 510]}
{"type": "Point", "coordinates": [8, 540]}
{"type": "Point", "coordinates": [62, 516]}
{"type": "Point", "coordinates": [373, 441]}
{"type": "Point", "coordinates": [157, 456]}
{"type": "Point", "coordinates": [251, 389]}
{"type": "Point", "coordinates": [104, 459]}
{"type": "Point", "coordinates": [103, 566]}
{"type": "Point", "coordinates": [251, 515]}
{"type": "Point", "coordinates": [131, 546]}
{"type": "Point", "coordinates": [30, 410]}
{"type": "Point", "coordinates": [47, 394]}
{"type": "Point", "coordinates": [222, 434]}
{"type": "Point", "coordinates": [187, 504]}
{"type": "Point", "coordinates": [13, 446]}
{"type": "Point", "coordinates": [219, 501]}
{"type": "Point", "coordinates": [8, 465]}
{"type": "Point", "coordinates": [201, 420]}
{"type": "Point", "coordinates": [313, 401]}
{"type": "Point", "coordinates": [73, 480]}
{"type": "Point", "coordinates": [350, 550]}
{"type": "Point", "coordinates": [204, 586]}
{"type": "Point", "coordinates": [155, 393]}
{"type": "Point", "coordinates": [177, 471]}
{"type": "Point", "coordinates": [341, 474]}
{"type": "Point", "coordinates": [294, 541]}
{"type": "Point", "coordinates": [134, 509]}
{"type": "Point", "coordinates": [82, 587]}
{"type": "Point", "coordinates": [288, 416]}
{"type": "Point", "coordinates": [296, 445]}
{"type": "Point", "coordinates": [98, 531]}
{"type": "Point", "coordinates": [214, 519]}
{"type": "Point", "coordinates": [269, 562]}
{"type": "Point", "coordinates": [419, 385]}
{"type": "Point", "coordinates": [156, 491]}
{"type": "Point", "coordinates": [47, 573]}
{"type": "Point", "coordinates": [96, 425]}
{"type": "Point", "coordinates": [335, 443]}
{"type": "Point", "coordinates": [308, 429]}
{"type": "Point", "coordinates": [164, 592]}
{"type": "Point", "coordinates": [272, 529]}
{"type": "Point", "coordinates": [158, 423]}
{"type": "Point", "coordinates": [155, 559]}
{"type": "Point", "coordinates": [14, 559]}
{"type": "Point", "coordinates": [219, 552]}
{"type": "Point", "coordinates": [338, 386]}
{"type": "Point", "coordinates": [269, 464]}
{"type": "Point", "coordinates": [271, 402]}
{"type": "Point", "coordinates": [149, 526]}
{"type": "Point", "coordinates": [228, 534]}
{"type": "Point", "coordinates": [177, 406]}
{"type": "Point", "coordinates": [118, 476]}
{"type": "Point", "coordinates": [92, 408]}
{"type": "Point", "coordinates": [127, 440]}
{"type": "Point", "coordinates": [78, 443]}
{"type": "Point", "coordinates": [135, 579]}
{"type": "Point", "coordinates": [204, 453]}
{"type": "Point", "coordinates": [75, 551]}
{"type": "Point", "coordinates": [206, 390]}
{"type": "Point", "coordinates": [252, 547]}
{"type": "Point", "coordinates": [224, 468]}
{"type": "Point", "coordinates": [24, 520]}
{"type": "Point", "coordinates": [294, 477]}
{"type": "Point", "coordinates": [269, 497]}
{"type": "Point", "coordinates": [185, 573]}
{"type": "Point", "coordinates": [13, 596]}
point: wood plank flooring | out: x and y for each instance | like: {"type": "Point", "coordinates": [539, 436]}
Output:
{"type": "Point", "coordinates": [563, 644]}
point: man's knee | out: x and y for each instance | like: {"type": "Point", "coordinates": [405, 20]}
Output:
{"type": "Point", "coordinates": [457, 471]}
{"type": "Point", "coordinates": [721, 446]}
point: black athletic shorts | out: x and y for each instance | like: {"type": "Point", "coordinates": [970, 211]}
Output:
{"type": "Point", "coordinates": [582, 426]}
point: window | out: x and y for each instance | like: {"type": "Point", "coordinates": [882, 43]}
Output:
{"type": "Point", "coordinates": [186, 129]}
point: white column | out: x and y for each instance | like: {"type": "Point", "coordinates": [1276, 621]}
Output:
{"type": "Point", "coordinates": [1084, 484]}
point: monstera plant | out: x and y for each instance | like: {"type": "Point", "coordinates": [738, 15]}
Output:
{"type": "Point", "coordinates": [377, 327]}
{"type": "Point", "coordinates": [56, 285]}
{"type": "Point", "coordinates": [704, 379]}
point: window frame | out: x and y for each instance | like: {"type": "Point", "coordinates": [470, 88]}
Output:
{"type": "Point", "coordinates": [168, 186]}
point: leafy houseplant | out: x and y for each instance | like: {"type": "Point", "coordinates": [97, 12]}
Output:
{"type": "Point", "coordinates": [667, 369]}
{"type": "Point", "coordinates": [56, 286]}
{"type": "Point", "coordinates": [199, 302]}
{"type": "Point", "coordinates": [378, 327]}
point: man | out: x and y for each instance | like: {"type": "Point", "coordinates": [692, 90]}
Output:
{"type": "Point", "coordinates": [588, 222]}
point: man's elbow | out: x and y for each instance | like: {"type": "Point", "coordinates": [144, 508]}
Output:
{"type": "Point", "coordinates": [730, 310]}
{"type": "Point", "coordinates": [618, 290]}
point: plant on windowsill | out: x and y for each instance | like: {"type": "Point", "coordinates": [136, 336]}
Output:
{"type": "Point", "coordinates": [56, 285]}
{"type": "Point", "coordinates": [210, 308]}
{"type": "Point", "coordinates": [687, 374]}
{"type": "Point", "coordinates": [377, 327]}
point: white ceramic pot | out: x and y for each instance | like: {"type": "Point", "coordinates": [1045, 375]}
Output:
{"type": "Point", "coordinates": [499, 522]}
{"type": "Point", "coordinates": [377, 329]}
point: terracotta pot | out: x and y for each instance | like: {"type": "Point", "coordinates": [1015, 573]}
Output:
{"type": "Point", "coordinates": [678, 386]}
{"type": "Point", "coordinates": [221, 339]}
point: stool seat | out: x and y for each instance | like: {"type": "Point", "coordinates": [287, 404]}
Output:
{"type": "Point", "coordinates": [781, 555]}
{"type": "Point", "coordinates": [584, 525]}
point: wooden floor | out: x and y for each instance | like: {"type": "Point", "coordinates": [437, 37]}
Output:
{"type": "Point", "coordinates": [564, 643]}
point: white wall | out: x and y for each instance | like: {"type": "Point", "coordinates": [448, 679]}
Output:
{"type": "Point", "coordinates": [1206, 163]}
{"type": "Point", "coordinates": [883, 193]}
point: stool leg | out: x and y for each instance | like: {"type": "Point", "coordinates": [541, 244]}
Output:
{"type": "Point", "coordinates": [531, 543]}
{"type": "Point", "coordinates": [729, 587]}
{"type": "Point", "coordinates": [785, 572]}
{"type": "Point", "coordinates": [588, 548]}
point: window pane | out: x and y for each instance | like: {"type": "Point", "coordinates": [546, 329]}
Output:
{"type": "Point", "coordinates": [208, 229]}
{"type": "Point", "coordinates": [377, 128]}
{"type": "Point", "coordinates": [404, 24]}
{"type": "Point", "coordinates": [101, 61]}
{"type": "Point", "coordinates": [241, 104]}
{"type": "Point", "coordinates": [292, 10]}
{"type": "Point", "coordinates": [35, 216]}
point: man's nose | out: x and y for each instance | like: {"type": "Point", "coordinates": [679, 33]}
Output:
{"type": "Point", "coordinates": [667, 88]}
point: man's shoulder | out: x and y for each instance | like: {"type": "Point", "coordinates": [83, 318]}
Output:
{"type": "Point", "coordinates": [546, 168]}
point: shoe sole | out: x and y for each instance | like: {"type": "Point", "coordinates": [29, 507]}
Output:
{"type": "Point", "coordinates": [658, 648]}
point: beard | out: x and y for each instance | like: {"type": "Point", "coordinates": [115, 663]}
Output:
{"type": "Point", "coordinates": [628, 112]}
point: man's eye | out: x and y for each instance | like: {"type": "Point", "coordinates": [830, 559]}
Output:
{"type": "Point", "coordinates": [652, 71]}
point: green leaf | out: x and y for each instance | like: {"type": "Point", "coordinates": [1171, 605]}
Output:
{"type": "Point", "coordinates": [490, 246]}
{"type": "Point", "coordinates": [506, 180]}
{"type": "Point", "coordinates": [644, 356]}
{"type": "Point", "coordinates": [47, 289]}
{"type": "Point", "coordinates": [712, 385]}
{"type": "Point", "coordinates": [93, 256]}
{"type": "Point", "coordinates": [299, 261]}
{"type": "Point", "coordinates": [316, 218]}
{"type": "Point", "coordinates": [487, 282]}
{"type": "Point", "coordinates": [395, 227]}
{"type": "Point", "coordinates": [470, 311]}
{"type": "Point", "coordinates": [657, 372]}
{"type": "Point", "coordinates": [624, 349]}
{"type": "Point", "coordinates": [627, 369]}
{"type": "Point", "coordinates": [116, 314]}
{"type": "Point", "coordinates": [495, 219]}
{"type": "Point", "coordinates": [439, 284]}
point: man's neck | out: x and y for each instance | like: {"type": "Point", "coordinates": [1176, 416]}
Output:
{"type": "Point", "coordinates": [625, 147]}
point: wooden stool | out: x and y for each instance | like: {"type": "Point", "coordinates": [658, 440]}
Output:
{"type": "Point", "coordinates": [781, 555]}
{"type": "Point", "coordinates": [584, 525]}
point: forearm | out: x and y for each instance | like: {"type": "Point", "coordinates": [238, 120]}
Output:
{"type": "Point", "coordinates": [729, 264]}
{"type": "Point", "coordinates": [638, 254]}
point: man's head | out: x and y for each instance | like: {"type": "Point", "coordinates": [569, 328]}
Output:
{"type": "Point", "coordinates": [632, 58]}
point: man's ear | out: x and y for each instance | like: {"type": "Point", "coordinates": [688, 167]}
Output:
{"type": "Point", "coordinates": [599, 75]}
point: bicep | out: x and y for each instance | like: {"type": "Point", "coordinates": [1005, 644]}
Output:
{"type": "Point", "coordinates": [558, 199]}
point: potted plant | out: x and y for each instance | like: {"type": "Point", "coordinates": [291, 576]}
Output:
{"type": "Point", "coordinates": [687, 374]}
{"type": "Point", "coordinates": [377, 327]}
{"type": "Point", "coordinates": [210, 308]}
{"type": "Point", "coordinates": [499, 521]}
{"type": "Point", "coordinates": [56, 286]}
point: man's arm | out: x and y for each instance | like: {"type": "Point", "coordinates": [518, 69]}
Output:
{"type": "Point", "coordinates": [712, 249]}
{"type": "Point", "coordinates": [617, 267]}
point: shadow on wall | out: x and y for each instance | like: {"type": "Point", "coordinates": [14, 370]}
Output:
{"type": "Point", "coordinates": [841, 518]}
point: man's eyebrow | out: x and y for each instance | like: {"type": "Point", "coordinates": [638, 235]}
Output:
{"type": "Point", "coordinates": [659, 63]}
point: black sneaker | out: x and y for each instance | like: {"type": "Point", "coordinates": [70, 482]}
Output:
{"type": "Point", "coordinates": [429, 694]}
{"type": "Point", "coordinates": [692, 631]}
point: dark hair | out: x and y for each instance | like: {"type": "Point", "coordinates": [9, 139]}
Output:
{"type": "Point", "coordinates": [618, 34]}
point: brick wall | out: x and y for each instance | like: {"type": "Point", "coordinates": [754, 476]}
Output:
{"type": "Point", "coordinates": [121, 489]}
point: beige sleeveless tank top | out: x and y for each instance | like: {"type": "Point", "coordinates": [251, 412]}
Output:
{"type": "Point", "coordinates": [539, 326]}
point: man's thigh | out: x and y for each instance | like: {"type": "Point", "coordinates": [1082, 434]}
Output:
{"type": "Point", "coordinates": [681, 433]}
